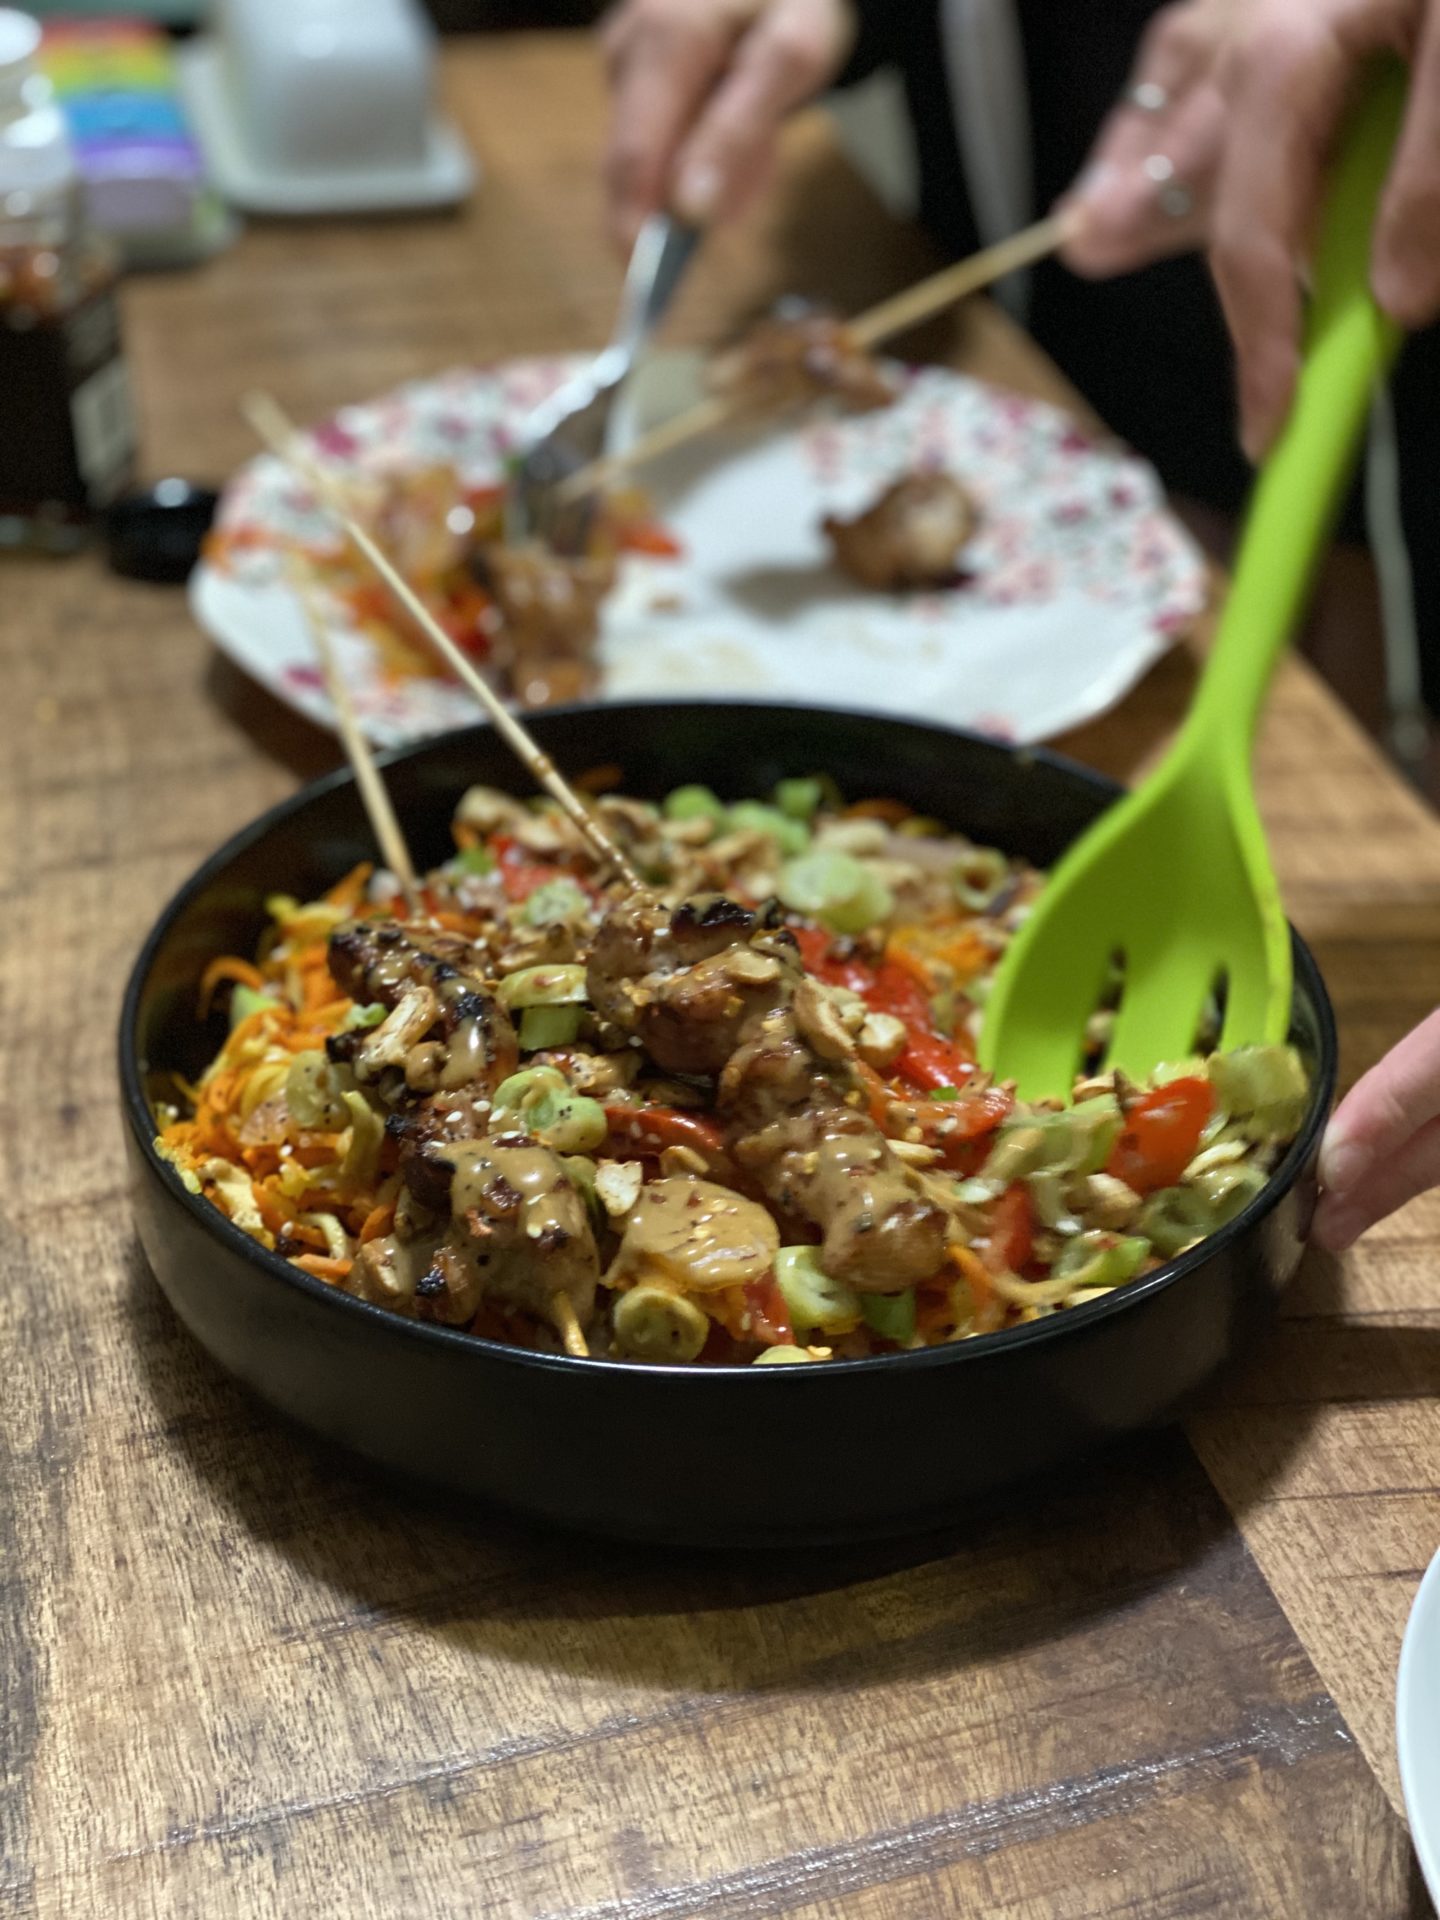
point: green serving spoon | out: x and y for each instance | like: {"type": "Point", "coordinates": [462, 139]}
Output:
{"type": "Point", "coordinates": [1175, 880]}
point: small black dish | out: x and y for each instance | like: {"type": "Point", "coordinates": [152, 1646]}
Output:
{"type": "Point", "coordinates": [728, 1456]}
{"type": "Point", "coordinates": [157, 534]}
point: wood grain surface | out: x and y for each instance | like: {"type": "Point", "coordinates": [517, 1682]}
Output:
{"type": "Point", "coordinates": [240, 1678]}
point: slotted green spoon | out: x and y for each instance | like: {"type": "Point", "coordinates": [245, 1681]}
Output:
{"type": "Point", "coordinates": [1176, 879]}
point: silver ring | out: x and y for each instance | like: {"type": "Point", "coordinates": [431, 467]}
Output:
{"type": "Point", "coordinates": [1177, 202]}
{"type": "Point", "coordinates": [1148, 96]}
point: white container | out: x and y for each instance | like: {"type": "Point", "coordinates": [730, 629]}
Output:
{"type": "Point", "coordinates": [312, 106]}
{"type": "Point", "coordinates": [35, 155]}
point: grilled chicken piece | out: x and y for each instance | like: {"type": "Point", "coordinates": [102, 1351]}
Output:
{"type": "Point", "coordinates": [911, 537]}
{"type": "Point", "coordinates": [687, 981]}
{"type": "Point", "coordinates": [796, 356]}
{"type": "Point", "coordinates": [549, 608]}
{"type": "Point", "coordinates": [678, 981]}
{"type": "Point", "coordinates": [519, 1232]}
{"type": "Point", "coordinates": [819, 1158]}
{"type": "Point", "coordinates": [472, 1040]}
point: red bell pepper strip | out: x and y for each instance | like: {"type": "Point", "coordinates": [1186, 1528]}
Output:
{"type": "Point", "coordinates": [647, 1131]}
{"type": "Point", "coordinates": [1012, 1232]}
{"type": "Point", "coordinates": [1161, 1134]}
{"type": "Point", "coordinates": [769, 1315]}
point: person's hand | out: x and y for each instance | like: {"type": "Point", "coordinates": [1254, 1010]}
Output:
{"type": "Point", "coordinates": [699, 91]}
{"type": "Point", "coordinates": [1382, 1147]}
{"type": "Point", "coordinates": [1283, 72]}
{"type": "Point", "coordinates": [1146, 188]}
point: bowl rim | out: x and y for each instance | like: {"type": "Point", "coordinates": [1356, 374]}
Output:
{"type": "Point", "coordinates": [1005, 1340]}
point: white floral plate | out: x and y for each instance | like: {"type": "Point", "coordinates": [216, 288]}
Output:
{"type": "Point", "coordinates": [1076, 583]}
{"type": "Point", "coordinates": [1417, 1725]}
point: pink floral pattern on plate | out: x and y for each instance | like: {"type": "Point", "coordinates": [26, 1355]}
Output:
{"type": "Point", "coordinates": [1078, 578]}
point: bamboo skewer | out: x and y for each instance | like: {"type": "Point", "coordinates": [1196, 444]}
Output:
{"type": "Point", "coordinates": [276, 431]}
{"type": "Point", "coordinates": [870, 329]}
{"type": "Point", "coordinates": [389, 836]}
{"type": "Point", "coordinates": [929, 297]}
{"type": "Point", "coordinates": [567, 1325]}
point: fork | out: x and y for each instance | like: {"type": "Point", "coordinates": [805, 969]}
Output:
{"type": "Point", "coordinates": [570, 429]}
{"type": "Point", "coordinates": [1175, 881]}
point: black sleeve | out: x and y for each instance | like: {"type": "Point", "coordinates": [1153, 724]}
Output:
{"type": "Point", "coordinates": [890, 33]}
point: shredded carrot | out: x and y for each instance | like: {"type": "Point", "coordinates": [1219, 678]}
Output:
{"type": "Point", "coordinates": [976, 1276]}
{"type": "Point", "coordinates": [351, 890]}
{"type": "Point", "coordinates": [878, 1095]}
{"type": "Point", "coordinates": [378, 1221]}
{"type": "Point", "coordinates": [275, 1212]}
{"type": "Point", "coordinates": [228, 966]}
{"type": "Point", "coordinates": [890, 811]}
{"type": "Point", "coordinates": [323, 1266]}
{"type": "Point", "coordinates": [909, 962]}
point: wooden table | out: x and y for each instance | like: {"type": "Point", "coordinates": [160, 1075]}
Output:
{"type": "Point", "coordinates": [240, 1680]}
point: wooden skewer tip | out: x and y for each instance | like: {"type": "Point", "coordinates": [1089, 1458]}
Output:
{"type": "Point", "coordinates": [277, 432]}
{"type": "Point", "coordinates": [567, 1323]}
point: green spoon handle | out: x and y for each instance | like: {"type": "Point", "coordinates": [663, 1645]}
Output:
{"type": "Point", "coordinates": [1349, 344]}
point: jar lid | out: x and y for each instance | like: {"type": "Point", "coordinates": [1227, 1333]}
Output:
{"type": "Point", "coordinates": [157, 533]}
{"type": "Point", "coordinates": [19, 42]}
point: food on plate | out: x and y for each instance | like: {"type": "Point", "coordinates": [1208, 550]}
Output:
{"type": "Point", "coordinates": [798, 355]}
{"type": "Point", "coordinates": [549, 618]}
{"type": "Point", "coordinates": [529, 616]}
{"type": "Point", "coordinates": [731, 1116]}
{"type": "Point", "coordinates": [911, 537]}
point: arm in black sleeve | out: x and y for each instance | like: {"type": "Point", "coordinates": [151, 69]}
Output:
{"type": "Point", "coordinates": [890, 32]}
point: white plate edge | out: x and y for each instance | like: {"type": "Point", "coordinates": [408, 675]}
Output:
{"type": "Point", "coordinates": [1422, 1625]}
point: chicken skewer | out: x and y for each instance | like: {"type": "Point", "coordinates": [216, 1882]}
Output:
{"type": "Point", "coordinates": [497, 1219]}
{"type": "Point", "coordinates": [374, 795]}
{"type": "Point", "coordinates": [712, 988]}
{"type": "Point", "coordinates": [467, 1042]}
{"type": "Point", "coordinates": [870, 329]}
{"type": "Point", "coordinates": [276, 431]}
{"type": "Point", "coordinates": [707, 987]}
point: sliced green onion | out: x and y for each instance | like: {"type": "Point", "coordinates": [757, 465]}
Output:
{"type": "Point", "coordinates": [555, 904]}
{"type": "Point", "coordinates": [799, 798]}
{"type": "Point", "coordinates": [247, 1000]}
{"type": "Point", "coordinates": [944, 1093]}
{"type": "Point", "coordinates": [1229, 1190]}
{"type": "Point", "coordinates": [549, 1027]}
{"type": "Point", "coordinates": [539, 1101]}
{"type": "Point", "coordinates": [811, 1296]}
{"type": "Point", "coordinates": [557, 986]}
{"type": "Point", "coordinates": [891, 1315]}
{"type": "Point", "coordinates": [694, 803]}
{"type": "Point", "coordinates": [358, 1019]}
{"type": "Point", "coordinates": [1077, 1140]}
{"type": "Point", "coordinates": [580, 1171]}
{"type": "Point", "coordinates": [980, 877]}
{"type": "Point", "coordinates": [1047, 1196]}
{"type": "Point", "coordinates": [791, 836]}
{"type": "Point", "coordinates": [651, 1323]}
{"type": "Point", "coordinates": [1102, 1259]}
{"type": "Point", "coordinates": [474, 860]}
{"type": "Point", "coordinates": [1265, 1088]}
{"type": "Point", "coordinates": [1176, 1218]}
{"type": "Point", "coordinates": [836, 888]}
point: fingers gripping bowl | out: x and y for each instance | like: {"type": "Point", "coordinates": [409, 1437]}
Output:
{"type": "Point", "coordinates": [684, 1452]}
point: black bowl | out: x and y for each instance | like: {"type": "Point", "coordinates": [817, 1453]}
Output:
{"type": "Point", "coordinates": [724, 1456]}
